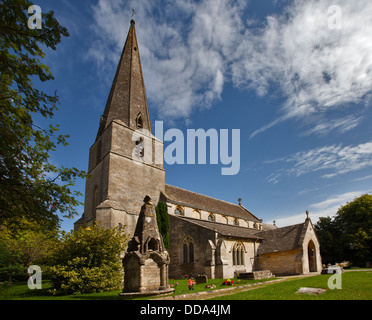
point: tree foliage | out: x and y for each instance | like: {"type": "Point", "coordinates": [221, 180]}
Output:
{"type": "Point", "coordinates": [22, 247]}
{"type": "Point", "coordinates": [349, 235]}
{"type": "Point", "coordinates": [162, 218]}
{"type": "Point", "coordinates": [87, 261]}
{"type": "Point", "coordinates": [30, 185]}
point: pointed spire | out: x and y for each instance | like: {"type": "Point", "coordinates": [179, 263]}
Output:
{"type": "Point", "coordinates": [127, 101]}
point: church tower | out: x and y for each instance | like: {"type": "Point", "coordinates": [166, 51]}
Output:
{"type": "Point", "coordinates": [124, 164]}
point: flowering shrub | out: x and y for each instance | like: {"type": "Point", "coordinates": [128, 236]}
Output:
{"type": "Point", "coordinates": [87, 261]}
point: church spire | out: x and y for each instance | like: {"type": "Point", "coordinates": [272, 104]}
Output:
{"type": "Point", "coordinates": [127, 101]}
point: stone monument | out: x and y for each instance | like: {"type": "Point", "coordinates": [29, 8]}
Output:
{"type": "Point", "coordinates": [146, 260]}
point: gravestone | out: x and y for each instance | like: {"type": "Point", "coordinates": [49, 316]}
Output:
{"type": "Point", "coordinates": [201, 278]}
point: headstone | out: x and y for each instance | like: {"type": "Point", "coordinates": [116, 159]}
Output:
{"type": "Point", "coordinates": [201, 279]}
{"type": "Point", "coordinates": [311, 290]}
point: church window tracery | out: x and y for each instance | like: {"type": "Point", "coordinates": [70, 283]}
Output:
{"type": "Point", "coordinates": [238, 254]}
{"type": "Point", "coordinates": [188, 250]}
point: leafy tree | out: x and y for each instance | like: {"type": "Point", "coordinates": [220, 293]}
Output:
{"type": "Point", "coordinates": [348, 236]}
{"type": "Point", "coordinates": [330, 239]}
{"type": "Point", "coordinates": [30, 185]}
{"type": "Point", "coordinates": [87, 261]}
{"type": "Point", "coordinates": [355, 221]}
{"type": "Point", "coordinates": [162, 218]}
{"type": "Point", "coordinates": [23, 247]}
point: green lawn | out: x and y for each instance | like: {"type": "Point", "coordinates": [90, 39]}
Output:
{"type": "Point", "coordinates": [20, 291]}
{"type": "Point", "coordinates": [182, 287]}
{"type": "Point", "coordinates": [355, 286]}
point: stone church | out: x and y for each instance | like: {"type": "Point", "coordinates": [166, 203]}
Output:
{"type": "Point", "coordinates": [207, 236]}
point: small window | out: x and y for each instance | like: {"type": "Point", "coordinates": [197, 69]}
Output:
{"type": "Point", "coordinates": [139, 141]}
{"type": "Point", "coordinates": [139, 122]}
{"type": "Point", "coordinates": [236, 222]}
{"type": "Point", "coordinates": [178, 212]}
{"type": "Point", "coordinates": [211, 218]}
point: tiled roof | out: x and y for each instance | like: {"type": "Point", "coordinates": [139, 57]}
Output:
{"type": "Point", "coordinates": [198, 201]}
{"type": "Point", "coordinates": [223, 229]}
{"type": "Point", "coordinates": [282, 239]}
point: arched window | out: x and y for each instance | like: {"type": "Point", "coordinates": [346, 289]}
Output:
{"type": "Point", "coordinates": [178, 211]}
{"type": "Point", "coordinates": [211, 217]}
{"type": "Point", "coordinates": [238, 254]}
{"type": "Point", "coordinates": [236, 222]}
{"type": "Point", "coordinates": [139, 121]}
{"type": "Point", "coordinates": [188, 250]}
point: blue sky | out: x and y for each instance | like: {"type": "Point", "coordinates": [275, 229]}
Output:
{"type": "Point", "coordinates": [298, 88]}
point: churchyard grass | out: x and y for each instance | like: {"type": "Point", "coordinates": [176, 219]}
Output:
{"type": "Point", "coordinates": [20, 291]}
{"type": "Point", "coordinates": [182, 286]}
{"type": "Point", "coordinates": [355, 286]}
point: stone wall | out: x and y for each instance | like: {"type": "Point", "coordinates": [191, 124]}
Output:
{"type": "Point", "coordinates": [281, 263]}
{"type": "Point", "coordinates": [118, 183]}
{"type": "Point", "coordinates": [202, 251]}
{"type": "Point", "coordinates": [212, 252]}
{"type": "Point", "coordinates": [226, 253]}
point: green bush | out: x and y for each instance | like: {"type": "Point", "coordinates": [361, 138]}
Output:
{"type": "Point", "coordinates": [87, 261]}
{"type": "Point", "coordinates": [162, 218]}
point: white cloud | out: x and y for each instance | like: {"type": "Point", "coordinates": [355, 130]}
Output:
{"type": "Point", "coordinates": [341, 125]}
{"type": "Point", "coordinates": [336, 159]}
{"type": "Point", "coordinates": [317, 69]}
{"type": "Point", "coordinates": [328, 207]}
{"type": "Point", "coordinates": [184, 64]}
{"type": "Point", "coordinates": [190, 49]}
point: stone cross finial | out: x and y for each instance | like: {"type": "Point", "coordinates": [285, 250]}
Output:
{"type": "Point", "coordinates": [307, 214]}
{"type": "Point", "coordinates": [240, 201]}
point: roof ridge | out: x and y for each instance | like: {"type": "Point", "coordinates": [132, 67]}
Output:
{"type": "Point", "coordinates": [281, 228]}
{"type": "Point", "coordinates": [208, 225]}
{"type": "Point", "coordinates": [209, 197]}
